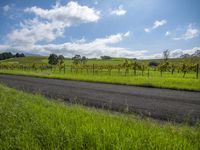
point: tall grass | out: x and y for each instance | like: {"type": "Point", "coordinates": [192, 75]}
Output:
{"type": "Point", "coordinates": [33, 122]}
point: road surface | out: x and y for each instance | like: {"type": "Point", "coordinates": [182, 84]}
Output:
{"type": "Point", "coordinates": [163, 104]}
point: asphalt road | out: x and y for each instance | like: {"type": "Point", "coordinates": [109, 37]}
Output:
{"type": "Point", "coordinates": [163, 104]}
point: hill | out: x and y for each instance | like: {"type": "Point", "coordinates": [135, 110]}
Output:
{"type": "Point", "coordinates": [68, 61]}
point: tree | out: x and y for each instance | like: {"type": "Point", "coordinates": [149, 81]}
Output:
{"type": "Point", "coordinates": [106, 57]}
{"type": "Point", "coordinates": [76, 59]}
{"type": "Point", "coordinates": [53, 59]}
{"type": "Point", "coordinates": [6, 55]}
{"type": "Point", "coordinates": [166, 54]}
{"type": "Point", "coordinates": [19, 55]}
{"type": "Point", "coordinates": [22, 55]}
{"type": "Point", "coordinates": [61, 59]}
{"type": "Point", "coordinates": [185, 56]}
{"type": "Point", "coordinates": [83, 60]}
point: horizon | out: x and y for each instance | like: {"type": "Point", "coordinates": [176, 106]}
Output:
{"type": "Point", "coordinates": [139, 29]}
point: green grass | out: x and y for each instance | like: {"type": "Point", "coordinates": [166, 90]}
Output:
{"type": "Point", "coordinates": [26, 60]}
{"type": "Point", "coordinates": [32, 122]}
{"type": "Point", "coordinates": [44, 59]}
{"type": "Point", "coordinates": [167, 81]}
{"type": "Point", "coordinates": [175, 81]}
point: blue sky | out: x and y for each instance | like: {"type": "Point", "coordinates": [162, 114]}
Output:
{"type": "Point", "coordinates": [119, 28]}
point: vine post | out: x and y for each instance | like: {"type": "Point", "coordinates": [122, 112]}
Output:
{"type": "Point", "coordinates": [93, 69]}
{"type": "Point", "coordinates": [64, 68]}
{"type": "Point", "coordinates": [197, 71]}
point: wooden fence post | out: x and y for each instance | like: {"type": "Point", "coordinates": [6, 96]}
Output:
{"type": "Point", "coordinates": [142, 70]}
{"type": "Point", "coordinates": [41, 67]}
{"type": "Point", "coordinates": [197, 71]}
{"type": "Point", "coordinates": [93, 69]}
{"type": "Point", "coordinates": [64, 68]}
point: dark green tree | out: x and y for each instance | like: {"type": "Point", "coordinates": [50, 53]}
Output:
{"type": "Point", "coordinates": [76, 59]}
{"type": "Point", "coordinates": [61, 59]}
{"type": "Point", "coordinates": [6, 55]}
{"type": "Point", "coordinates": [53, 59]}
{"type": "Point", "coordinates": [84, 60]}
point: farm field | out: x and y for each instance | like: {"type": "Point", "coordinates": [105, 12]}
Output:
{"type": "Point", "coordinates": [69, 61]}
{"type": "Point", "coordinates": [33, 122]}
{"type": "Point", "coordinates": [147, 77]}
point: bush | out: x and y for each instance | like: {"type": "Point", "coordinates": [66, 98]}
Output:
{"type": "Point", "coordinates": [153, 64]}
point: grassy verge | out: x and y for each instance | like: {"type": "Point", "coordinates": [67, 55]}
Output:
{"type": "Point", "coordinates": [33, 122]}
{"type": "Point", "coordinates": [160, 82]}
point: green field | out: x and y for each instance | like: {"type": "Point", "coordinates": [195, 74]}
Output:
{"type": "Point", "coordinates": [33, 122]}
{"type": "Point", "coordinates": [149, 79]}
{"type": "Point", "coordinates": [68, 61]}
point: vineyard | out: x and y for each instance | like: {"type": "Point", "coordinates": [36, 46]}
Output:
{"type": "Point", "coordinates": [128, 68]}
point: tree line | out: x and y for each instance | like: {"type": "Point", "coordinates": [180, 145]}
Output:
{"type": "Point", "coordinates": [7, 55]}
{"type": "Point", "coordinates": [54, 59]}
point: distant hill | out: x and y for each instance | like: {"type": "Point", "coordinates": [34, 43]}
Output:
{"type": "Point", "coordinates": [26, 60]}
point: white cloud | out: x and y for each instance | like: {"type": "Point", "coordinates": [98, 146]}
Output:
{"type": "Point", "coordinates": [156, 24]}
{"type": "Point", "coordinates": [190, 33]}
{"type": "Point", "coordinates": [33, 31]}
{"type": "Point", "coordinates": [95, 48]}
{"type": "Point", "coordinates": [179, 52]}
{"type": "Point", "coordinates": [120, 11]}
{"type": "Point", "coordinates": [127, 34]}
{"type": "Point", "coordinates": [69, 14]}
{"type": "Point", "coordinates": [6, 8]}
{"type": "Point", "coordinates": [51, 23]}
{"type": "Point", "coordinates": [147, 30]}
{"type": "Point", "coordinates": [167, 33]}
{"type": "Point", "coordinates": [176, 53]}
{"type": "Point", "coordinates": [159, 23]}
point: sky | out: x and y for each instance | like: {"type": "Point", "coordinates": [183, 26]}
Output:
{"type": "Point", "coordinates": [93, 28]}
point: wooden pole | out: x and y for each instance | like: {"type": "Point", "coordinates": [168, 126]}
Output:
{"type": "Point", "coordinates": [64, 69]}
{"type": "Point", "coordinates": [197, 71]}
{"type": "Point", "coordinates": [93, 69]}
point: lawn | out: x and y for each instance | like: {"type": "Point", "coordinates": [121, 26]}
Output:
{"type": "Point", "coordinates": [33, 122]}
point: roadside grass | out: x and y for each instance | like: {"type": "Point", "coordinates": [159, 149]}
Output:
{"type": "Point", "coordinates": [175, 81]}
{"type": "Point", "coordinates": [167, 81]}
{"type": "Point", "coordinates": [33, 122]}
